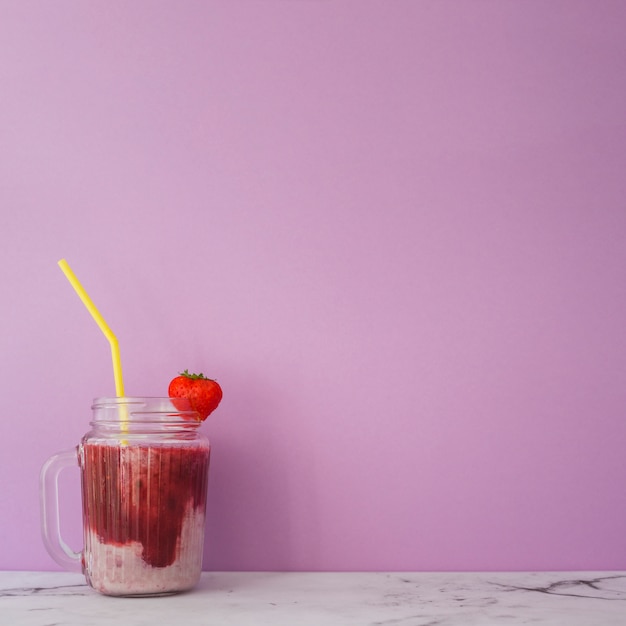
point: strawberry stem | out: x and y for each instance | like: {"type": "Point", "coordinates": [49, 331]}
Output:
{"type": "Point", "coordinates": [200, 376]}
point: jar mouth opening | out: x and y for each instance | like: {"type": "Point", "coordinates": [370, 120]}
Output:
{"type": "Point", "coordinates": [143, 409]}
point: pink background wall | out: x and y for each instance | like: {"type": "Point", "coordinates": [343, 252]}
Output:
{"type": "Point", "coordinates": [394, 231]}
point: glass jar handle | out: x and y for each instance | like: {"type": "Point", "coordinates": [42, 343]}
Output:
{"type": "Point", "coordinates": [49, 499]}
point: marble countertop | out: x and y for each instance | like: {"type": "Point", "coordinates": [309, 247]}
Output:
{"type": "Point", "coordinates": [328, 599]}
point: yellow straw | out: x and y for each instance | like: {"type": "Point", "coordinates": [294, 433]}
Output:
{"type": "Point", "coordinates": [104, 327]}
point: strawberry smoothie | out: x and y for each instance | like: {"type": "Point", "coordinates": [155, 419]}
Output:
{"type": "Point", "coordinates": [143, 509]}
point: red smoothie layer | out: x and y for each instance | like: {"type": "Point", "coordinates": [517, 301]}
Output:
{"type": "Point", "coordinates": [140, 493]}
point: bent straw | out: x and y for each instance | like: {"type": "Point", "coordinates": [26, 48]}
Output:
{"type": "Point", "coordinates": [104, 327]}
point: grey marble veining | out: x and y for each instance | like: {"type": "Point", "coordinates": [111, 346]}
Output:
{"type": "Point", "coordinates": [328, 599]}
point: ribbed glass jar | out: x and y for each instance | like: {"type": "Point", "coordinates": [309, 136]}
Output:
{"type": "Point", "coordinates": [144, 471]}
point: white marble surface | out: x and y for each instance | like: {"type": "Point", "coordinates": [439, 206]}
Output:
{"type": "Point", "coordinates": [328, 599]}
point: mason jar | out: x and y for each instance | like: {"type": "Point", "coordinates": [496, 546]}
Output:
{"type": "Point", "coordinates": [144, 470]}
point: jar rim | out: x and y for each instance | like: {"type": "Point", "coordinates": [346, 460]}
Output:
{"type": "Point", "coordinates": [143, 409]}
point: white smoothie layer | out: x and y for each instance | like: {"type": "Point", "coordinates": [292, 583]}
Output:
{"type": "Point", "coordinates": [119, 570]}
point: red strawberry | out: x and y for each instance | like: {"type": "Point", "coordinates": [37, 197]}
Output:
{"type": "Point", "coordinates": [203, 393]}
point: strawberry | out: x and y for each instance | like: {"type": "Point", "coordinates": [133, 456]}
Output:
{"type": "Point", "coordinates": [204, 394]}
